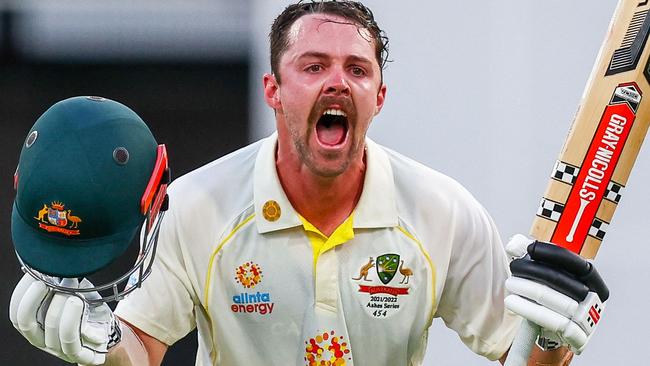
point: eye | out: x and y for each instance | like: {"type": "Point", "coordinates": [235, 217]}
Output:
{"type": "Point", "coordinates": [357, 71]}
{"type": "Point", "coordinates": [314, 68]}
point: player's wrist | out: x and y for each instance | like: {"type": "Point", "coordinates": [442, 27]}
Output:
{"type": "Point", "coordinates": [130, 351]}
{"type": "Point", "coordinates": [560, 356]}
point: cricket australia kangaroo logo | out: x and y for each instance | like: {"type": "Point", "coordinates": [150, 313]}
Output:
{"type": "Point", "coordinates": [363, 272]}
{"type": "Point", "coordinates": [56, 218]}
{"type": "Point", "coordinates": [382, 300]}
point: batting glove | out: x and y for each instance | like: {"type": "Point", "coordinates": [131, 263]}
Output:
{"type": "Point", "coordinates": [63, 324]}
{"type": "Point", "coordinates": [556, 289]}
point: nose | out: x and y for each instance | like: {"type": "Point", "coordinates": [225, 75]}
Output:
{"type": "Point", "coordinates": [337, 84]}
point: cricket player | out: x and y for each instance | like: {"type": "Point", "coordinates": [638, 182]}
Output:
{"type": "Point", "coordinates": [316, 245]}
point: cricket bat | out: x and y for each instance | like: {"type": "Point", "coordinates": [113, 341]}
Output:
{"type": "Point", "coordinates": [589, 177]}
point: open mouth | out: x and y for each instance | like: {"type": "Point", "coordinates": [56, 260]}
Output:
{"type": "Point", "coordinates": [332, 127]}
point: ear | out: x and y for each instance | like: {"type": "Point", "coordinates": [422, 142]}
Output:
{"type": "Point", "coordinates": [381, 96]}
{"type": "Point", "coordinates": [271, 91]}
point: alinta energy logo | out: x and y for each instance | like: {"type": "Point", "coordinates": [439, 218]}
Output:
{"type": "Point", "coordinates": [249, 275]}
{"type": "Point", "coordinates": [327, 349]}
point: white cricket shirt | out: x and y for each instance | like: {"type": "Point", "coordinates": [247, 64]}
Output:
{"type": "Point", "coordinates": [235, 260]}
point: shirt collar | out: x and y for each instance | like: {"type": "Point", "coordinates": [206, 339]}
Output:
{"type": "Point", "coordinates": [267, 189]}
{"type": "Point", "coordinates": [376, 206]}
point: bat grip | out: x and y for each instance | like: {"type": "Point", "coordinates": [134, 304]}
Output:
{"type": "Point", "coordinates": [522, 344]}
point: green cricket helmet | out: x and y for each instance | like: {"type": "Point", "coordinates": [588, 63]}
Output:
{"type": "Point", "coordinates": [90, 176]}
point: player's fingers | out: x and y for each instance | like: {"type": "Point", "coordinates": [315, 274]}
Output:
{"type": "Point", "coordinates": [27, 313]}
{"type": "Point", "coordinates": [93, 334]}
{"type": "Point", "coordinates": [517, 246]}
{"type": "Point", "coordinates": [542, 294]}
{"type": "Point", "coordinates": [53, 321]}
{"type": "Point", "coordinates": [575, 336]}
{"type": "Point", "coordinates": [17, 296]}
{"type": "Point", "coordinates": [95, 337]}
{"type": "Point", "coordinates": [537, 314]}
{"type": "Point", "coordinates": [89, 295]}
{"type": "Point", "coordinates": [85, 283]}
{"type": "Point", "coordinates": [54, 314]}
{"type": "Point", "coordinates": [69, 333]}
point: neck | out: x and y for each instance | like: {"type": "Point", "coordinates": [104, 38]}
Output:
{"type": "Point", "coordinates": [324, 201]}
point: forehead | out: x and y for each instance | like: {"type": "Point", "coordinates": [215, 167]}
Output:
{"type": "Point", "coordinates": [329, 33]}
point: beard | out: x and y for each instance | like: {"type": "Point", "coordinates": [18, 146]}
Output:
{"type": "Point", "coordinates": [326, 164]}
{"type": "Point", "coordinates": [339, 164]}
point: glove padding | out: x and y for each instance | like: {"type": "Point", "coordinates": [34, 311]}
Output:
{"type": "Point", "coordinates": [63, 324]}
{"type": "Point", "coordinates": [556, 289]}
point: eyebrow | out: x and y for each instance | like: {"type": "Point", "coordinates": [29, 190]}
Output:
{"type": "Point", "coordinates": [316, 54]}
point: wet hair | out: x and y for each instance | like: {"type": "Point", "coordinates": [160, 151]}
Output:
{"type": "Point", "coordinates": [353, 11]}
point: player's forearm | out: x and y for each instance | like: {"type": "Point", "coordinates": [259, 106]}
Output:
{"type": "Point", "coordinates": [558, 357]}
{"type": "Point", "coordinates": [131, 351]}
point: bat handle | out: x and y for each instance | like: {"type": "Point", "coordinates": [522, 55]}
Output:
{"type": "Point", "coordinates": [522, 344]}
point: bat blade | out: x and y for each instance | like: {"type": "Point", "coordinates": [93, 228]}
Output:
{"type": "Point", "coordinates": [591, 172]}
{"type": "Point", "coordinates": [589, 177]}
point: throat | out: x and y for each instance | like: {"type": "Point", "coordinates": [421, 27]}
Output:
{"type": "Point", "coordinates": [325, 203]}
{"type": "Point", "coordinates": [331, 130]}
{"type": "Point", "coordinates": [332, 134]}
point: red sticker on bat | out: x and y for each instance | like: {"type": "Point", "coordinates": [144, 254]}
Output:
{"type": "Point", "coordinates": [597, 168]}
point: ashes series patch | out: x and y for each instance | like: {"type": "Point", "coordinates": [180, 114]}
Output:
{"type": "Point", "coordinates": [383, 283]}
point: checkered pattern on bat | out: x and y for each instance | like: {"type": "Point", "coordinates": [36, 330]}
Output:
{"type": "Point", "coordinates": [598, 228]}
{"type": "Point", "coordinates": [550, 209]}
{"type": "Point", "coordinates": [613, 192]}
{"type": "Point", "coordinates": [564, 172]}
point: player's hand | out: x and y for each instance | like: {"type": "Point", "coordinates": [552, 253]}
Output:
{"type": "Point", "coordinates": [556, 289]}
{"type": "Point", "coordinates": [62, 324]}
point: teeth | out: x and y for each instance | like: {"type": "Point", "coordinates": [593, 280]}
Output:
{"type": "Point", "coordinates": [335, 112]}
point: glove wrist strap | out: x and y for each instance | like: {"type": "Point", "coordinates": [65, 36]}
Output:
{"type": "Point", "coordinates": [547, 344]}
{"type": "Point", "coordinates": [116, 334]}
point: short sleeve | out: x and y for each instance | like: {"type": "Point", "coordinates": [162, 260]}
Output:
{"type": "Point", "coordinates": [164, 306]}
{"type": "Point", "coordinates": [472, 300]}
